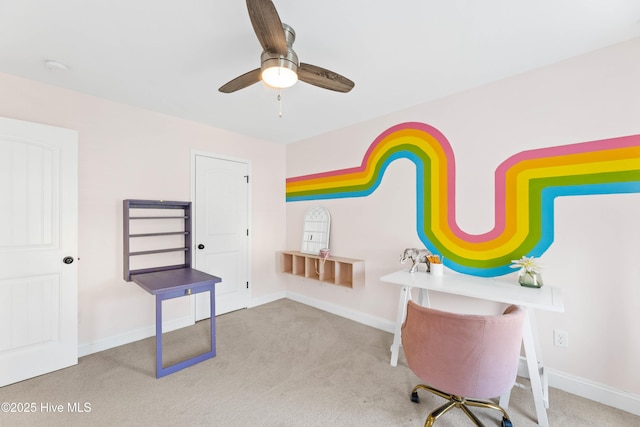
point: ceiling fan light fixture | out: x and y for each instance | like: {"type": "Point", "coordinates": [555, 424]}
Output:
{"type": "Point", "coordinates": [279, 77]}
{"type": "Point", "coordinates": [279, 72]}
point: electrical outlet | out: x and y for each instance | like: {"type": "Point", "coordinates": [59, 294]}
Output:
{"type": "Point", "coordinates": [560, 338]}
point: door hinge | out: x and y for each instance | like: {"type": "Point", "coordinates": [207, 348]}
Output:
{"type": "Point", "coordinates": [247, 231]}
{"type": "Point", "coordinates": [247, 178]}
{"type": "Point", "coordinates": [247, 285]}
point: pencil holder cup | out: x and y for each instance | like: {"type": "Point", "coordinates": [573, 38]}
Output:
{"type": "Point", "coordinates": [437, 269]}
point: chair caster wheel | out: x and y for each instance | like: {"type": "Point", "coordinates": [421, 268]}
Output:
{"type": "Point", "coordinates": [414, 397]}
{"type": "Point", "coordinates": [506, 423]}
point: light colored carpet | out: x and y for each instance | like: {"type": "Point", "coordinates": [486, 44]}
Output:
{"type": "Point", "coordinates": [279, 364]}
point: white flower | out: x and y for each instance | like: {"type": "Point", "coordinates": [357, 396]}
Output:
{"type": "Point", "coordinates": [526, 265]}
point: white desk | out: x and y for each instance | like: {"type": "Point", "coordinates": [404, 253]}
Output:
{"type": "Point", "coordinates": [546, 298]}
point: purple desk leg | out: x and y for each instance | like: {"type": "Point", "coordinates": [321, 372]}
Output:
{"type": "Point", "coordinates": [163, 371]}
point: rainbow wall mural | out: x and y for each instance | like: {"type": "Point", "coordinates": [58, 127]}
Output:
{"type": "Point", "coordinates": [526, 185]}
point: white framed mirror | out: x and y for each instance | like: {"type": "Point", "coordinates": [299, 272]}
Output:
{"type": "Point", "coordinates": [315, 232]}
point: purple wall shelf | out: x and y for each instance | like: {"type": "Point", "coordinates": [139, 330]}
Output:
{"type": "Point", "coordinates": [167, 281]}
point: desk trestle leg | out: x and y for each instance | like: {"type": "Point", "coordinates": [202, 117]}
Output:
{"type": "Point", "coordinates": [162, 371]}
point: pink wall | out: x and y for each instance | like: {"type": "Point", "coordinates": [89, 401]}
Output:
{"type": "Point", "coordinates": [126, 152]}
{"type": "Point", "coordinates": [595, 251]}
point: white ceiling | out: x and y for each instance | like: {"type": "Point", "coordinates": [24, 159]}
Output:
{"type": "Point", "coordinates": [172, 55]}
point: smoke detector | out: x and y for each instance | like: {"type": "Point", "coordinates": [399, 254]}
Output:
{"type": "Point", "coordinates": [53, 65]}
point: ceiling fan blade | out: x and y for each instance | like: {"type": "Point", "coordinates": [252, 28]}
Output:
{"type": "Point", "coordinates": [267, 26]}
{"type": "Point", "coordinates": [247, 79]}
{"type": "Point", "coordinates": [324, 78]}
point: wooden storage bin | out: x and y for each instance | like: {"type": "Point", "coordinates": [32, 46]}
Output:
{"type": "Point", "coordinates": [340, 271]}
{"type": "Point", "coordinates": [298, 266]}
{"type": "Point", "coordinates": [327, 272]}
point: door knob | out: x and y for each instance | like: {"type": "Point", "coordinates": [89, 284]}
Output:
{"type": "Point", "coordinates": [67, 260]}
{"type": "Point", "coordinates": [200, 246]}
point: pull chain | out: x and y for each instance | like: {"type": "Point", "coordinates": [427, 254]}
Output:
{"type": "Point", "coordinates": [279, 106]}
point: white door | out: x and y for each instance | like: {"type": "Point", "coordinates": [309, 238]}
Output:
{"type": "Point", "coordinates": [221, 231]}
{"type": "Point", "coordinates": [38, 229]}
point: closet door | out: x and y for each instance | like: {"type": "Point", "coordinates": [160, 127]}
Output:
{"type": "Point", "coordinates": [38, 250]}
{"type": "Point", "coordinates": [221, 231]}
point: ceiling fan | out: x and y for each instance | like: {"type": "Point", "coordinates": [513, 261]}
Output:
{"type": "Point", "coordinates": [280, 67]}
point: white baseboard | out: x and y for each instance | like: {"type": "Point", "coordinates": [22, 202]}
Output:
{"type": "Point", "coordinates": [86, 349]}
{"type": "Point", "coordinates": [588, 389]}
{"type": "Point", "coordinates": [365, 319]}
{"type": "Point", "coordinates": [266, 299]}
{"type": "Point", "coordinates": [560, 380]}
{"type": "Point", "coordinates": [594, 391]}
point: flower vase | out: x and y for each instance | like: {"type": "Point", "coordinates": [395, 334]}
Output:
{"type": "Point", "coordinates": [530, 280]}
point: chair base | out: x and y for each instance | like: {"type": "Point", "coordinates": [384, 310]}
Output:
{"type": "Point", "coordinates": [454, 401]}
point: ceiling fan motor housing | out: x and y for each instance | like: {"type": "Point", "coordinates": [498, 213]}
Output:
{"type": "Point", "coordinates": [288, 62]}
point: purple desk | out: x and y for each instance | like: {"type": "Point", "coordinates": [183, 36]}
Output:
{"type": "Point", "coordinates": [176, 283]}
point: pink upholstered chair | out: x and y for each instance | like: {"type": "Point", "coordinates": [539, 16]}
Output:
{"type": "Point", "coordinates": [466, 359]}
